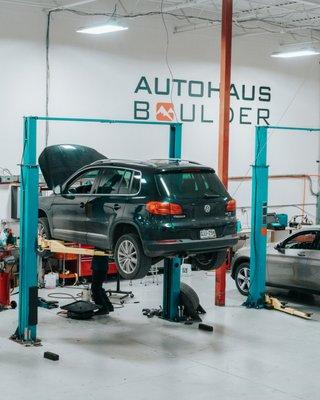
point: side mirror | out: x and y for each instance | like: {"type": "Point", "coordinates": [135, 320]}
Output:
{"type": "Point", "coordinates": [280, 249]}
{"type": "Point", "coordinates": [57, 189]}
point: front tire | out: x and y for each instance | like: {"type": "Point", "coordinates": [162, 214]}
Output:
{"type": "Point", "coordinates": [242, 277]}
{"type": "Point", "coordinates": [130, 259]}
{"type": "Point", "coordinates": [44, 233]}
{"type": "Point", "coordinates": [43, 228]}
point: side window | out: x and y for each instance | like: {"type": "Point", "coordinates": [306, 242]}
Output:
{"type": "Point", "coordinates": [136, 182]}
{"type": "Point", "coordinates": [115, 181]}
{"type": "Point", "coordinates": [83, 184]}
{"type": "Point", "coordinates": [110, 181]}
{"type": "Point", "coordinates": [125, 182]}
{"type": "Point", "coordinates": [302, 241]}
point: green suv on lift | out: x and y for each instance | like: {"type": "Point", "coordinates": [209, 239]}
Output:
{"type": "Point", "coordinates": [141, 211]}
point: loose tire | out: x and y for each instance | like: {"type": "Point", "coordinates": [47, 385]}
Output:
{"type": "Point", "coordinates": [130, 259]}
{"type": "Point", "coordinates": [209, 261]}
{"type": "Point", "coordinates": [242, 277]}
{"type": "Point", "coordinates": [189, 299]}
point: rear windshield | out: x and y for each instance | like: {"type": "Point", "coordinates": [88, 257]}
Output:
{"type": "Point", "coordinates": [196, 184]}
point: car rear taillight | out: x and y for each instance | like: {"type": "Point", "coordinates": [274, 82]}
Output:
{"type": "Point", "coordinates": [231, 205]}
{"type": "Point", "coordinates": [163, 208]}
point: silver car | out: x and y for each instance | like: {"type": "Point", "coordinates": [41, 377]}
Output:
{"type": "Point", "coordinates": [293, 263]}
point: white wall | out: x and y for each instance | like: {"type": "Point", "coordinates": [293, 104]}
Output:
{"type": "Point", "coordinates": [97, 76]}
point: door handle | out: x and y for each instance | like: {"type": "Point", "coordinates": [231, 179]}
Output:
{"type": "Point", "coordinates": [116, 207]}
{"type": "Point", "coordinates": [82, 205]}
{"type": "Point", "coordinates": [301, 254]}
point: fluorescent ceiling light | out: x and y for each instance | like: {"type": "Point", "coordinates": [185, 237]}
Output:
{"type": "Point", "coordinates": [295, 53]}
{"type": "Point", "coordinates": [100, 29]}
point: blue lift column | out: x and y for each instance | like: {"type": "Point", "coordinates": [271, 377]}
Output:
{"type": "Point", "coordinates": [28, 290]}
{"type": "Point", "coordinates": [258, 243]}
{"type": "Point", "coordinates": [171, 273]}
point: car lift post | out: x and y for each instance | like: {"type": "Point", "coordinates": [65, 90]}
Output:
{"type": "Point", "coordinates": [28, 293]}
{"type": "Point", "coordinates": [28, 280]}
{"type": "Point", "coordinates": [258, 241]}
{"type": "Point", "coordinates": [171, 272]}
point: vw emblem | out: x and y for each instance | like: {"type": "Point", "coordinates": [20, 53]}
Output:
{"type": "Point", "coordinates": [207, 208]}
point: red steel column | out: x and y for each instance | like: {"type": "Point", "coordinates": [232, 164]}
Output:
{"type": "Point", "coordinates": [224, 117]}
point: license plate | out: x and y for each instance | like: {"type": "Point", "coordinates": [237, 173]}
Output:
{"type": "Point", "coordinates": [208, 234]}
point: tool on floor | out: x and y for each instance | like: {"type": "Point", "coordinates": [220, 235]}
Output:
{"type": "Point", "coordinates": [48, 304]}
{"type": "Point", "coordinates": [151, 312]}
{"type": "Point", "coordinates": [272, 303]}
{"type": "Point", "coordinates": [205, 327]}
{"type": "Point", "coordinates": [51, 356]}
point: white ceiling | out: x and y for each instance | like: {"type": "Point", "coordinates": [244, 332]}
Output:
{"type": "Point", "coordinates": [295, 20]}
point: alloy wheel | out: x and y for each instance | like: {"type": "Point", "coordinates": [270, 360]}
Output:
{"type": "Point", "coordinates": [243, 279]}
{"type": "Point", "coordinates": [127, 257]}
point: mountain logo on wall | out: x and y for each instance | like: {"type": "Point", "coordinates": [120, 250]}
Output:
{"type": "Point", "coordinates": [164, 111]}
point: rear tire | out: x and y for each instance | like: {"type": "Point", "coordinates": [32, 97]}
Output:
{"type": "Point", "coordinates": [209, 261]}
{"type": "Point", "coordinates": [130, 259]}
{"type": "Point", "coordinates": [242, 277]}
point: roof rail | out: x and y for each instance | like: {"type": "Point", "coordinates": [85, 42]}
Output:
{"type": "Point", "coordinates": [173, 160]}
{"type": "Point", "coordinates": [99, 161]}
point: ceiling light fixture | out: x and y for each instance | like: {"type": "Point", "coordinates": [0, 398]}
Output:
{"type": "Point", "coordinates": [297, 53]}
{"type": "Point", "coordinates": [100, 29]}
{"type": "Point", "coordinates": [296, 50]}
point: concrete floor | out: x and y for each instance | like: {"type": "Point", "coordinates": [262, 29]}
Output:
{"type": "Point", "coordinates": [251, 354]}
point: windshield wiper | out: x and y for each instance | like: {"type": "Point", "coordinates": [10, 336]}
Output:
{"type": "Point", "coordinates": [211, 196]}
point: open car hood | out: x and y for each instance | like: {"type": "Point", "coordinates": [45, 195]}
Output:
{"type": "Point", "coordinates": [60, 161]}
